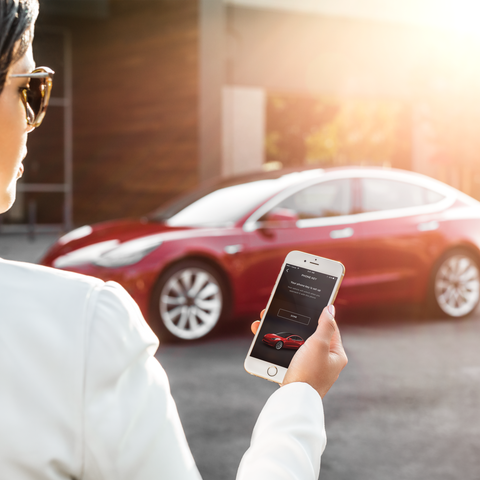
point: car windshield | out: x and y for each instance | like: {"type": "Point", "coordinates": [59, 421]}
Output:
{"type": "Point", "coordinates": [223, 204]}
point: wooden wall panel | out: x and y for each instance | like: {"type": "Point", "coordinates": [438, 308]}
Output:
{"type": "Point", "coordinates": [135, 100]}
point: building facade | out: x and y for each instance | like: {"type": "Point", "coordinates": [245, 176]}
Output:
{"type": "Point", "coordinates": [154, 97]}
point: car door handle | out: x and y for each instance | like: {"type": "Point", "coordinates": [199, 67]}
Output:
{"type": "Point", "coordinates": [233, 249]}
{"type": "Point", "coordinates": [343, 233]}
{"type": "Point", "coordinates": [428, 226]}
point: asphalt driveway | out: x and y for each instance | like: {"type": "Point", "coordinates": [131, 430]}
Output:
{"type": "Point", "coordinates": [406, 406]}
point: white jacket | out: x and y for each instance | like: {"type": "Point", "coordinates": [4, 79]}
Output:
{"type": "Point", "coordinates": [82, 396]}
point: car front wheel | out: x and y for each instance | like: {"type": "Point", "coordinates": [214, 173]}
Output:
{"type": "Point", "coordinates": [456, 284]}
{"type": "Point", "coordinates": [279, 345]}
{"type": "Point", "coordinates": [188, 301]}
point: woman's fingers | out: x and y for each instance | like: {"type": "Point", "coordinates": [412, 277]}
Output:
{"type": "Point", "coordinates": [256, 324]}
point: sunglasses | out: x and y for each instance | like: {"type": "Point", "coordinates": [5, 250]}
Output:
{"type": "Point", "coordinates": [36, 94]}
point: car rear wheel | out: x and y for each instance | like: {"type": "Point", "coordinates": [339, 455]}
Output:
{"type": "Point", "coordinates": [188, 301]}
{"type": "Point", "coordinates": [456, 284]}
{"type": "Point", "coordinates": [279, 345]}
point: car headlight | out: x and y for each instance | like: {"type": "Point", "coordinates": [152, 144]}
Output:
{"type": "Point", "coordinates": [130, 252]}
{"type": "Point", "coordinates": [75, 234]}
{"type": "Point", "coordinates": [84, 255]}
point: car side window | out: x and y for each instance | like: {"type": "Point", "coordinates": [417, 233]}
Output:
{"type": "Point", "coordinates": [382, 194]}
{"type": "Point", "coordinates": [433, 197]}
{"type": "Point", "coordinates": [327, 199]}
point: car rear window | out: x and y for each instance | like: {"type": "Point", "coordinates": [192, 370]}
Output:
{"type": "Point", "coordinates": [383, 194]}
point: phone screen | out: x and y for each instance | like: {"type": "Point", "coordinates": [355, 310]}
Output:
{"type": "Point", "coordinates": [293, 314]}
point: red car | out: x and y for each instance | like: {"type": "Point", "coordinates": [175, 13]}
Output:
{"type": "Point", "coordinates": [215, 253]}
{"type": "Point", "coordinates": [283, 340]}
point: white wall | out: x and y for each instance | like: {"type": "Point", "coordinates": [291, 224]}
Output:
{"type": "Point", "coordinates": [243, 133]}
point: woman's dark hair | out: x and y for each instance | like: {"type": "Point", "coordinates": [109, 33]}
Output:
{"type": "Point", "coordinates": [16, 21]}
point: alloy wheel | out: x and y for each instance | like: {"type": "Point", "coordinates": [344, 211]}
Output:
{"type": "Point", "coordinates": [190, 303]}
{"type": "Point", "coordinates": [457, 285]}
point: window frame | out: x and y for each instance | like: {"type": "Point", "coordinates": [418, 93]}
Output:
{"type": "Point", "coordinates": [252, 222]}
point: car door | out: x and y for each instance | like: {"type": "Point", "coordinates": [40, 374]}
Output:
{"type": "Point", "coordinates": [396, 229]}
{"type": "Point", "coordinates": [294, 341]}
{"type": "Point", "coordinates": [321, 222]}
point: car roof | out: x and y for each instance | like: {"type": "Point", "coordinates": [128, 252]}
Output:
{"type": "Point", "coordinates": [288, 181]}
{"type": "Point", "coordinates": [295, 176]}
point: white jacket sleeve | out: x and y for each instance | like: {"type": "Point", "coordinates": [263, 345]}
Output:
{"type": "Point", "coordinates": [131, 425]}
{"type": "Point", "coordinates": [289, 437]}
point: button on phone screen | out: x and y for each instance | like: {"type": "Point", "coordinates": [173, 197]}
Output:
{"type": "Point", "coordinates": [301, 296]}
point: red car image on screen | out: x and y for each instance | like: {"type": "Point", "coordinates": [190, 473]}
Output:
{"type": "Point", "coordinates": [283, 340]}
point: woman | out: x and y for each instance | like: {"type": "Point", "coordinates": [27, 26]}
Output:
{"type": "Point", "coordinates": [82, 396]}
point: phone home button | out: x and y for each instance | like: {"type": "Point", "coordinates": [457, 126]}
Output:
{"type": "Point", "coordinates": [272, 371]}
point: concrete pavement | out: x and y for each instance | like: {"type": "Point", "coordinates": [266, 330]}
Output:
{"type": "Point", "coordinates": [23, 248]}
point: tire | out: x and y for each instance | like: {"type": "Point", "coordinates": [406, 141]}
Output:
{"type": "Point", "coordinates": [279, 345]}
{"type": "Point", "coordinates": [188, 301]}
{"type": "Point", "coordinates": [455, 286]}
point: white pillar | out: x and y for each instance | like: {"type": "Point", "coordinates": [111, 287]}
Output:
{"type": "Point", "coordinates": [243, 129]}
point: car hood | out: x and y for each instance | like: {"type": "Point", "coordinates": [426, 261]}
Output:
{"type": "Point", "coordinates": [123, 230]}
{"type": "Point", "coordinates": [120, 232]}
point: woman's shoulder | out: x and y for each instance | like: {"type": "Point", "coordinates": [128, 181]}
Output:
{"type": "Point", "coordinates": [29, 291]}
{"type": "Point", "coordinates": [35, 275]}
{"type": "Point", "coordinates": [30, 287]}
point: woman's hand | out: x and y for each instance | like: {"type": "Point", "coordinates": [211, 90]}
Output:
{"type": "Point", "coordinates": [321, 358]}
{"type": "Point", "coordinates": [256, 323]}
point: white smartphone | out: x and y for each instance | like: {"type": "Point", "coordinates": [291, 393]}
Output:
{"type": "Point", "coordinates": [305, 286]}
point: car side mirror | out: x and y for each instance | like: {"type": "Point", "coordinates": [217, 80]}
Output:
{"type": "Point", "coordinates": [279, 218]}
